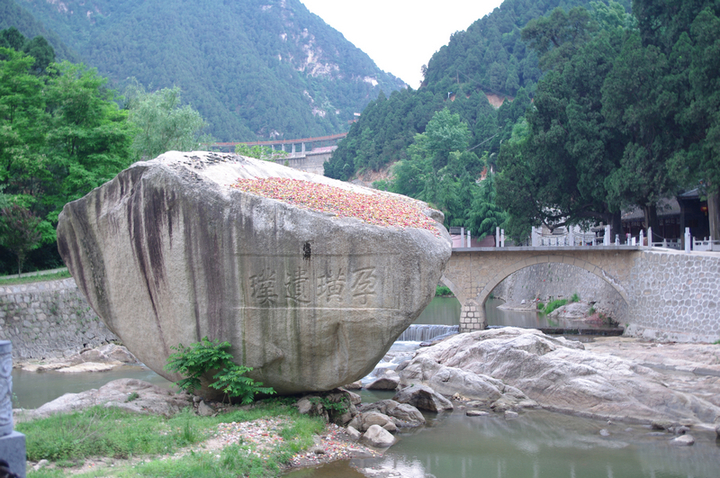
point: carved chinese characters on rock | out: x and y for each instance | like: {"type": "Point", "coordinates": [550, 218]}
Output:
{"type": "Point", "coordinates": [296, 287]}
{"type": "Point", "coordinates": [302, 286]}
{"type": "Point", "coordinates": [331, 286]}
{"type": "Point", "coordinates": [363, 285]}
{"type": "Point", "coordinates": [263, 288]}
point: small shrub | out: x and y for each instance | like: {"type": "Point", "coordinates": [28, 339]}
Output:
{"type": "Point", "coordinates": [442, 291]}
{"type": "Point", "coordinates": [540, 306]}
{"type": "Point", "coordinates": [201, 357]}
{"type": "Point", "coordinates": [554, 304]}
{"type": "Point", "coordinates": [592, 310]}
{"type": "Point", "coordinates": [131, 397]}
{"type": "Point", "coordinates": [575, 298]}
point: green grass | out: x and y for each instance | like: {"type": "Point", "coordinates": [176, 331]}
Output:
{"type": "Point", "coordinates": [575, 298]}
{"type": "Point", "coordinates": [108, 432]}
{"type": "Point", "coordinates": [34, 278]}
{"type": "Point", "coordinates": [554, 304]}
{"type": "Point", "coordinates": [67, 440]}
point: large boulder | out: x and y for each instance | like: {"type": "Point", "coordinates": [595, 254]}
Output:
{"type": "Point", "coordinates": [171, 251]}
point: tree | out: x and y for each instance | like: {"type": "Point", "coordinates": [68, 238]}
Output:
{"type": "Point", "coordinates": [164, 124]}
{"type": "Point", "coordinates": [484, 214]}
{"type": "Point", "coordinates": [555, 175]}
{"type": "Point", "coordinates": [19, 232]}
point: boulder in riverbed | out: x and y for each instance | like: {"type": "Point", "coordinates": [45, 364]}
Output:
{"type": "Point", "coordinates": [376, 436]}
{"type": "Point", "coordinates": [310, 279]}
{"type": "Point", "coordinates": [559, 375]}
{"type": "Point", "coordinates": [424, 398]}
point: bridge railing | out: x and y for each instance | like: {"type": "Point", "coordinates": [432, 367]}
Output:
{"type": "Point", "coordinates": [462, 239]}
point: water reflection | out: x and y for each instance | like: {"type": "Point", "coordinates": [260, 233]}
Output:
{"type": "Point", "coordinates": [33, 389]}
{"type": "Point", "coordinates": [540, 444]}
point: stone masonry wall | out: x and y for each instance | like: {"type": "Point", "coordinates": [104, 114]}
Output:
{"type": "Point", "coordinates": [49, 319]}
{"type": "Point", "coordinates": [676, 296]}
{"type": "Point", "coordinates": [560, 281]}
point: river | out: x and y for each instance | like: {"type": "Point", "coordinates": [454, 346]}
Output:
{"type": "Point", "coordinates": [537, 444]}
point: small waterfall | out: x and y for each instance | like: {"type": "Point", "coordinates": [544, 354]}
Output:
{"type": "Point", "coordinates": [426, 332]}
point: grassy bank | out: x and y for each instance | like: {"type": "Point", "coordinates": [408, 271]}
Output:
{"type": "Point", "coordinates": [144, 443]}
{"type": "Point", "coordinates": [33, 277]}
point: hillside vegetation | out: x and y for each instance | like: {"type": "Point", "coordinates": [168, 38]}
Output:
{"type": "Point", "coordinates": [254, 69]}
{"type": "Point", "coordinates": [624, 112]}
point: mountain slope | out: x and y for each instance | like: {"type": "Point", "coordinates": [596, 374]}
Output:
{"type": "Point", "coordinates": [14, 15]}
{"type": "Point", "coordinates": [489, 59]}
{"type": "Point", "coordinates": [253, 68]}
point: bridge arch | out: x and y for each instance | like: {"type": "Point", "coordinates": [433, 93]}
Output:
{"type": "Point", "coordinates": [493, 281]}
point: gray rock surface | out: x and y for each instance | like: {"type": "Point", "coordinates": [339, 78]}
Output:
{"type": "Point", "coordinates": [560, 375]}
{"type": "Point", "coordinates": [683, 440]}
{"type": "Point", "coordinates": [126, 393]}
{"type": "Point", "coordinates": [376, 436]}
{"type": "Point", "coordinates": [388, 381]}
{"type": "Point", "coordinates": [423, 398]}
{"type": "Point", "coordinates": [403, 414]}
{"type": "Point", "coordinates": [363, 421]}
{"type": "Point", "coordinates": [168, 252]}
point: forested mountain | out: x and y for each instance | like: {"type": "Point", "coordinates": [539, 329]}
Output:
{"type": "Point", "coordinates": [252, 68]}
{"type": "Point", "coordinates": [14, 15]}
{"type": "Point", "coordinates": [489, 58]}
{"type": "Point", "coordinates": [625, 111]}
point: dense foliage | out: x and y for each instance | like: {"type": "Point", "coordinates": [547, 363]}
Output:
{"type": "Point", "coordinates": [253, 68]}
{"type": "Point", "coordinates": [624, 112]}
{"type": "Point", "coordinates": [624, 116]}
{"type": "Point", "coordinates": [490, 58]}
{"type": "Point", "coordinates": [61, 134]}
{"type": "Point", "coordinates": [14, 15]}
{"type": "Point", "coordinates": [164, 123]}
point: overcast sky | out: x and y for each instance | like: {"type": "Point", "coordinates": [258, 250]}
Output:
{"type": "Point", "coordinates": [400, 35]}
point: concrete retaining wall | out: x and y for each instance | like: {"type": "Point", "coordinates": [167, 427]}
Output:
{"type": "Point", "coordinates": [49, 319]}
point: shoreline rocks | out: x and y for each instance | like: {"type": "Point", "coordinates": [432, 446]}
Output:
{"type": "Point", "coordinates": [100, 359]}
{"type": "Point", "coordinates": [528, 368]}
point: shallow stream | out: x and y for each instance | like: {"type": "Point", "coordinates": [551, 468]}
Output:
{"type": "Point", "coordinates": [537, 444]}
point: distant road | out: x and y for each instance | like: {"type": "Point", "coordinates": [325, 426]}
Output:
{"type": "Point", "coordinates": [332, 137]}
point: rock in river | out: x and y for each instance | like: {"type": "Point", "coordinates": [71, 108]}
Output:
{"type": "Point", "coordinates": [559, 375]}
{"type": "Point", "coordinates": [310, 279]}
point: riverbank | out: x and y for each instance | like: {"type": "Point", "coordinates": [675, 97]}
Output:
{"type": "Point", "coordinates": [692, 370]}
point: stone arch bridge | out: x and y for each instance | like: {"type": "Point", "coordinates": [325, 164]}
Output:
{"type": "Point", "coordinates": [670, 295]}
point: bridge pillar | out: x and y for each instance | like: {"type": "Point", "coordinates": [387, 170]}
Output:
{"type": "Point", "coordinates": [472, 317]}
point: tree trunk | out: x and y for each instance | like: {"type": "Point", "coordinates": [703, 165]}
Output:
{"type": "Point", "coordinates": [651, 219]}
{"type": "Point", "coordinates": [713, 201]}
{"type": "Point", "coordinates": [615, 226]}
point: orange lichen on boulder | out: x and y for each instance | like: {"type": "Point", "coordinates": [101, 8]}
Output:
{"type": "Point", "coordinates": [377, 209]}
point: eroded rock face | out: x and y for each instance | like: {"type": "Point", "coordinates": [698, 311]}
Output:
{"type": "Point", "coordinates": [168, 252]}
{"type": "Point", "coordinates": [559, 375]}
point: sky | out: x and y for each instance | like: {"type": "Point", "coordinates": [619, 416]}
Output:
{"type": "Point", "coordinates": [400, 35]}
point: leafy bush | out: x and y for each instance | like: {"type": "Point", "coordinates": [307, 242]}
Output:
{"type": "Point", "coordinates": [575, 298]}
{"type": "Point", "coordinates": [205, 356]}
{"type": "Point", "coordinates": [442, 291]}
{"type": "Point", "coordinates": [554, 304]}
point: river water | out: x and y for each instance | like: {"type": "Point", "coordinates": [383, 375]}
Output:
{"type": "Point", "coordinates": [537, 444]}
